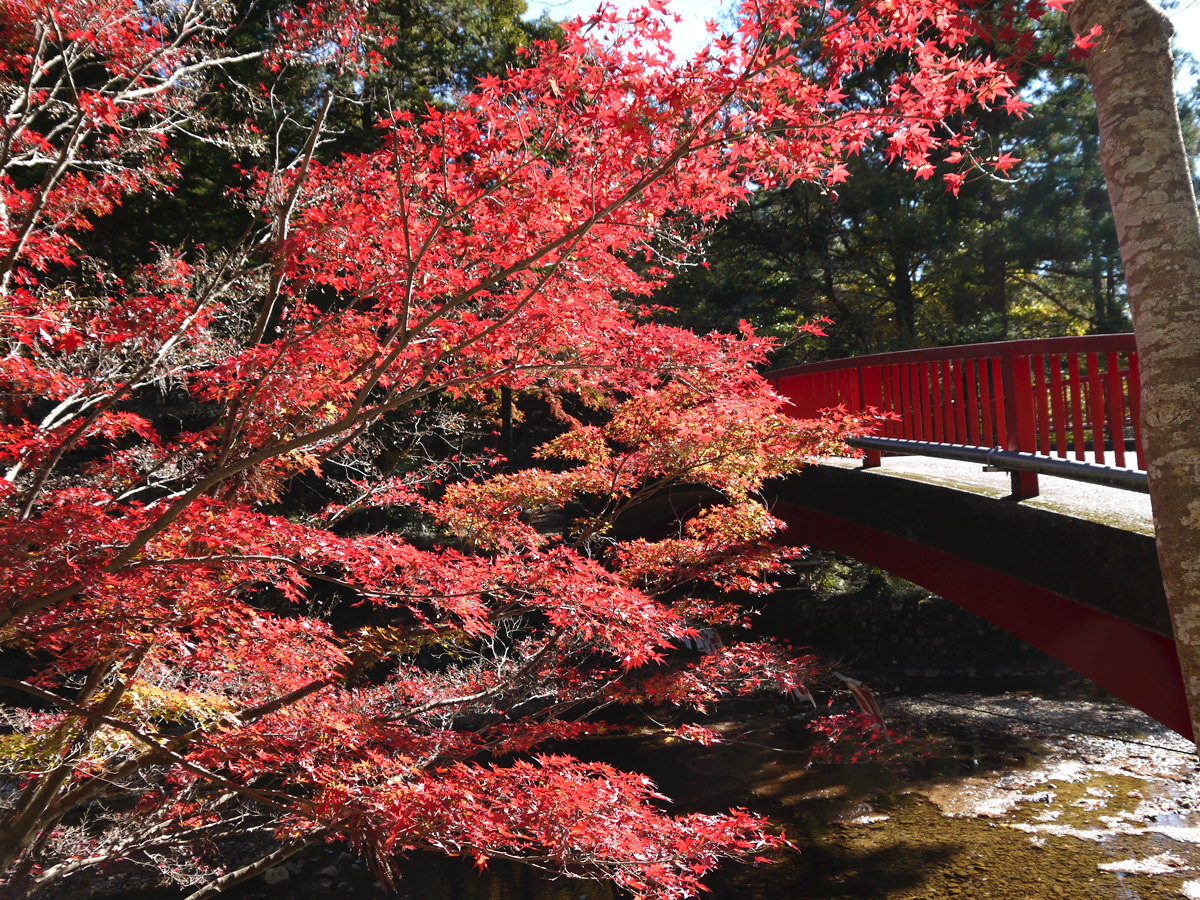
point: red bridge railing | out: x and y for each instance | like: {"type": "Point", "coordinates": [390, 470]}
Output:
{"type": "Point", "coordinates": [1061, 406]}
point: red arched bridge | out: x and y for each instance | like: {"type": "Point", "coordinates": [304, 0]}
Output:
{"type": "Point", "coordinates": [1086, 592]}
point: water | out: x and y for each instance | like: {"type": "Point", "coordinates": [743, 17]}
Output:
{"type": "Point", "coordinates": [1001, 809]}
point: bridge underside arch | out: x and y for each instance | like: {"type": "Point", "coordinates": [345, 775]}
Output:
{"type": "Point", "coordinates": [1087, 594]}
{"type": "Point", "coordinates": [1136, 664]}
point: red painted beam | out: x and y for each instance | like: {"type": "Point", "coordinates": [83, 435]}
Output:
{"type": "Point", "coordinates": [1137, 665]}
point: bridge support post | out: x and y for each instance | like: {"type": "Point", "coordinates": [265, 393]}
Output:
{"type": "Point", "coordinates": [1019, 413]}
{"type": "Point", "coordinates": [872, 459]}
{"type": "Point", "coordinates": [1024, 485]}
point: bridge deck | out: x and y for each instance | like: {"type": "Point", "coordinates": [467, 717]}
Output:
{"type": "Point", "coordinates": [1127, 510]}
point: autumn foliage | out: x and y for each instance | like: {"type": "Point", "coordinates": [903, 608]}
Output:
{"type": "Point", "coordinates": [196, 654]}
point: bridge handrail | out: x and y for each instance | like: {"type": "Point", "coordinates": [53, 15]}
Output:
{"type": "Point", "coordinates": [1043, 398]}
{"type": "Point", "coordinates": [1092, 343]}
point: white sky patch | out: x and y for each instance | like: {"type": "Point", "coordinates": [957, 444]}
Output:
{"type": "Point", "coordinates": [1186, 20]}
{"type": "Point", "coordinates": [686, 37]}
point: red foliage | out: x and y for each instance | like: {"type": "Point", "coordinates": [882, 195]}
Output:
{"type": "Point", "coordinates": [178, 608]}
{"type": "Point", "coordinates": [856, 737]}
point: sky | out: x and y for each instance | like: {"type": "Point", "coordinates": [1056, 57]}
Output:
{"type": "Point", "coordinates": [690, 34]}
{"type": "Point", "coordinates": [1187, 26]}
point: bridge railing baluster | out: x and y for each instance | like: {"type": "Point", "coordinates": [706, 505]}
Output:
{"type": "Point", "coordinates": [960, 395]}
{"type": "Point", "coordinates": [1095, 408]}
{"type": "Point", "coordinates": [912, 405]}
{"type": "Point", "coordinates": [910, 408]}
{"type": "Point", "coordinates": [933, 406]}
{"type": "Point", "coordinates": [1057, 405]}
{"type": "Point", "coordinates": [1078, 407]}
{"type": "Point", "coordinates": [917, 411]}
{"type": "Point", "coordinates": [875, 388]}
{"type": "Point", "coordinates": [938, 429]}
{"type": "Point", "coordinates": [921, 399]}
{"type": "Point", "coordinates": [997, 402]}
{"type": "Point", "coordinates": [947, 404]}
{"type": "Point", "coordinates": [1116, 409]}
{"type": "Point", "coordinates": [937, 403]}
{"type": "Point", "coordinates": [1135, 408]}
{"type": "Point", "coordinates": [870, 396]}
{"type": "Point", "coordinates": [900, 407]}
{"type": "Point", "coordinates": [890, 399]}
{"type": "Point", "coordinates": [982, 379]}
{"type": "Point", "coordinates": [1042, 396]}
{"type": "Point", "coordinates": [971, 388]}
{"type": "Point", "coordinates": [933, 423]}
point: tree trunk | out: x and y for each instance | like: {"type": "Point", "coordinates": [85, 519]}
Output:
{"type": "Point", "coordinates": [1154, 207]}
{"type": "Point", "coordinates": [903, 299]}
{"type": "Point", "coordinates": [1102, 315]}
{"type": "Point", "coordinates": [995, 277]}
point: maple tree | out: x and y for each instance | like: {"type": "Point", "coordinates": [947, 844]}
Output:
{"type": "Point", "coordinates": [186, 680]}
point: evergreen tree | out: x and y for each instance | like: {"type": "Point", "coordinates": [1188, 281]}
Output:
{"type": "Point", "coordinates": [898, 262]}
{"type": "Point", "coordinates": [431, 50]}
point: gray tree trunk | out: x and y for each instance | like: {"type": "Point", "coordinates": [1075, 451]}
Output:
{"type": "Point", "coordinates": [1145, 165]}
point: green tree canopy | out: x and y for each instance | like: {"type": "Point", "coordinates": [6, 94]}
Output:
{"type": "Point", "coordinates": [899, 262]}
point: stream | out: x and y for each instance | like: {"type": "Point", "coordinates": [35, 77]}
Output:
{"type": "Point", "coordinates": [1029, 783]}
{"type": "Point", "coordinates": [1022, 796]}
